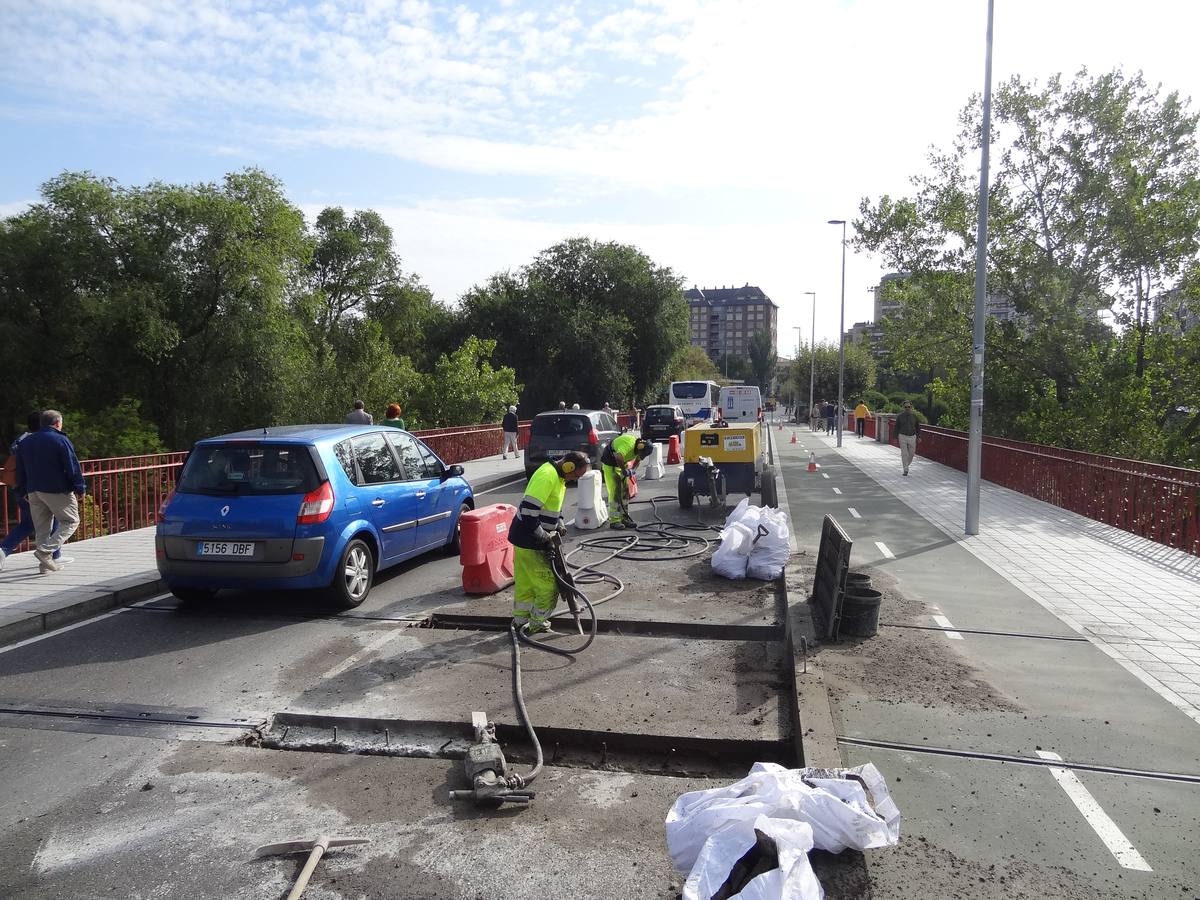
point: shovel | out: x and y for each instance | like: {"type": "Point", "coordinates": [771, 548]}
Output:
{"type": "Point", "coordinates": [315, 850]}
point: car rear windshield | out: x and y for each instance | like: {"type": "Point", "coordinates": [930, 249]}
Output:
{"type": "Point", "coordinates": [690, 390]}
{"type": "Point", "coordinates": [241, 468]}
{"type": "Point", "coordinates": [562, 426]}
{"type": "Point", "coordinates": [657, 415]}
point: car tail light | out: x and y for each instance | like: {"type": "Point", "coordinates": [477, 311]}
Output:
{"type": "Point", "coordinates": [593, 438]}
{"type": "Point", "coordinates": [316, 505]}
{"type": "Point", "coordinates": [162, 508]}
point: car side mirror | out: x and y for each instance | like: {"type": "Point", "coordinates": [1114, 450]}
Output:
{"type": "Point", "coordinates": [454, 471]}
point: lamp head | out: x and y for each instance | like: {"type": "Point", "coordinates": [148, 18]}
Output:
{"type": "Point", "coordinates": [837, 222]}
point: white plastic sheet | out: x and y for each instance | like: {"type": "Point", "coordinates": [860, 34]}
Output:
{"type": "Point", "coordinates": [844, 807]}
{"type": "Point", "coordinates": [754, 543]}
{"type": "Point", "coordinates": [794, 878]}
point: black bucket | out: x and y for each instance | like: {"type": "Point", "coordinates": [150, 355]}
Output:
{"type": "Point", "coordinates": [858, 581]}
{"type": "Point", "coordinates": [860, 612]}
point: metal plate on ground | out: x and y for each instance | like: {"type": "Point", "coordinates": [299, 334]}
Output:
{"type": "Point", "coordinates": [829, 583]}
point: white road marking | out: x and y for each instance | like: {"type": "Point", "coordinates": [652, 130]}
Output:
{"type": "Point", "coordinates": [824, 474]}
{"type": "Point", "coordinates": [854, 512]}
{"type": "Point", "coordinates": [354, 658]}
{"type": "Point", "coordinates": [837, 490]}
{"type": "Point", "coordinates": [1116, 842]}
{"type": "Point", "coordinates": [946, 623]}
{"type": "Point", "coordinates": [507, 486]}
{"type": "Point", "coordinates": [883, 548]}
{"type": "Point", "coordinates": [81, 623]}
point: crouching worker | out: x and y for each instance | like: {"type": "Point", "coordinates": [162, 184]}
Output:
{"type": "Point", "coordinates": [613, 462]}
{"type": "Point", "coordinates": [538, 521]}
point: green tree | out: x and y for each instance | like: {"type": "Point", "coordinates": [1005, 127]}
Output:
{"type": "Point", "coordinates": [585, 321]}
{"type": "Point", "coordinates": [1094, 207]}
{"type": "Point", "coordinates": [464, 388]}
{"type": "Point", "coordinates": [733, 367]}
{"type": "Point", "coordinates": [762, 360]}
{"type": "Point", "coordinates": [858, 377]}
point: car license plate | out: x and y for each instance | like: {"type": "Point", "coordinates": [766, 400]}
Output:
{"type": "Point", "coordinates": [235, 549]}
{"type": "Point", "coordinates": [556, 454]}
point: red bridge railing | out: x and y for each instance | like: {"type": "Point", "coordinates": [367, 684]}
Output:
{"type": "Point", "coordinates": [1161, 503]}
{"type": "Point", "coordinates": [124, 493]}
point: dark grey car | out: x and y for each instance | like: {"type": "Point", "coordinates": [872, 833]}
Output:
{"type": "Point", "coordinates": [554, 433]}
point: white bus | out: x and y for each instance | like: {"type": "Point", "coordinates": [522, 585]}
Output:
{"type": "Point", "coordinates": [697, 399]}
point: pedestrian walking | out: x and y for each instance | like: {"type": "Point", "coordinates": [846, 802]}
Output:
{"type": "Point", "coordinates": [814, 415]}
{"type": "Point", "coordinates": [830, 415]}
{"type": "Point", "coordinates": [24, 527]}
{"type": "Point", "coordinates": [537, 524]}
{"type": "Point", "coordinates": [907, 428]}
{"type": "Point", "coordinates": [359, 415]}
{"type": "Point", "coordinates": [509, 426]}
{"type": "Point", "coordinates": [393, 419]}
{"type": "Point", "coordinates": [861, 414]}
{"type": "Point", "coordinates": [49, 476]}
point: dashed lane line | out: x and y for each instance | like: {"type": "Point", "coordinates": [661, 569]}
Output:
{"type": "Point", "coordinates": [883, 548]}
{"type": "Point", "coordinates": [824, 474]}
{"type": "Point", "coordinates": [1106, 829]}
{"type": "Point", "coordinates": [948, 626]}
{"type": "Point", "coordinates": [837, 490]}
{"type": "Point", "coordinates": [854, 512]}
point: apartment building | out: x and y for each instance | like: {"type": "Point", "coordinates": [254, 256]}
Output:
{"type": "Point", "coordinates": [724, 319]}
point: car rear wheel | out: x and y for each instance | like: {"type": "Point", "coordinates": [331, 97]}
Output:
{"type": "Point", "coordinates": [188, 596]}
{"type": "Point", "coordinates": [353, 576]}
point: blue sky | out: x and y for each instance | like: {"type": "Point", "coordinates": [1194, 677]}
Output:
{"type": "Point", "coordinates": [717, 135]}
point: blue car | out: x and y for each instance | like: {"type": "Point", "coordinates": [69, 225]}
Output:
{"type": "Point", "coordinates": [306, 506]}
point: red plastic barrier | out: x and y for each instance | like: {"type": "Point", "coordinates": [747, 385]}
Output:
{"type": "Point", "coordinates": [485, 553]}
{"type": "Point", "coordinates": [673, 458]}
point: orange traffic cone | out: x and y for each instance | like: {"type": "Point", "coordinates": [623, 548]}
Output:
{"type": "Point", "coordinates": [812, 461]}
{"type": "Point", "coordinates": [673, 458]}
{"type": "Point", "coordinates": [793, 440]}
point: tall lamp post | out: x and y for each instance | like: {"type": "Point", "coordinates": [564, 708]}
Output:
{"type": "Point", "coordinates": [812, 367]}
{"type": "Point", "coordinates": [841, 335]}
{"type": "Point", "coordinates": [975, 434]}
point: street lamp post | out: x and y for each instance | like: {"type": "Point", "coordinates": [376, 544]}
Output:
{"type": "Point", "coordinates": [812, 363]}
{"type": "Point", "coordinates": [841, 335]}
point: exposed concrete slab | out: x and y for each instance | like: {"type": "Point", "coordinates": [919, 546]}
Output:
{"type": "Point", "coordinates": [620, 684]}
{"type": "Point", "coordinates": [679, 591]}
{"type": "Point", "coordinates": [256, 665]}
{"type": "Point", "coordinates": [958, 837]}
{"type": "Point", "coordinates": [147, 820]}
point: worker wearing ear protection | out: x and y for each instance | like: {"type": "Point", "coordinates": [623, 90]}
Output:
{"type": "Point", "coordinates": [538, 521]}
{"type": "Point", "coordinates": [613, 462]}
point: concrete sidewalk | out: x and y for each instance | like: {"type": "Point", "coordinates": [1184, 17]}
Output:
{"type": "Point", "coordinates": [1137, 601]}
{"type": "Point", "coordinates": [117, 569]}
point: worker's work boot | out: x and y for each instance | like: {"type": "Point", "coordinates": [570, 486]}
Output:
{"type": "Point", "coordinates": [539, 626]}
{"type": "Point", "coordinates": [617, 525]}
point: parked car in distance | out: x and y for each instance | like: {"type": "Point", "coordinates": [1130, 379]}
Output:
{"type": "Point", "coordinates": [661, 422]}
{"type": "Point", "coordinates": [552, 434]}
{"type": "Point", "coordinates": [305, 506]}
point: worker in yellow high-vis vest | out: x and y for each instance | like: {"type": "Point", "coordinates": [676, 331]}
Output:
{"type": "Point", "coordinates": [623, 449]}
{"type": "Point", "coordinates": [538, 520]}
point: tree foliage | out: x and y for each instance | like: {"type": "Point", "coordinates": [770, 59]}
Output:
{"type": "Point", "coordinates": [1094, 215]}
{"type": "Point", "coordinates": [160, 314]}
{"type": "Point", "coordinates": [585, 322]}
{"type": "Point", "coordinates": [762, 360]}
{"type": "Point", "coordinates": [859, 374]}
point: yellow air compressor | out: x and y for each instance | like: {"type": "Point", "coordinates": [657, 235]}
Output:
{"type": "Point", "coordinates": [723, 458]}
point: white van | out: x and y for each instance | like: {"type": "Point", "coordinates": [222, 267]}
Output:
{"type": "Point", "coordinates": [741, 403]}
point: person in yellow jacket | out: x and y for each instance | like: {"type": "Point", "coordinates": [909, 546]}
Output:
{"type": "Point", "coordinates": [614, 460]}
{"type": "Point", "coordinates": [537, 522]}
{"type": "Point", "coordinates": [861, 414]}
